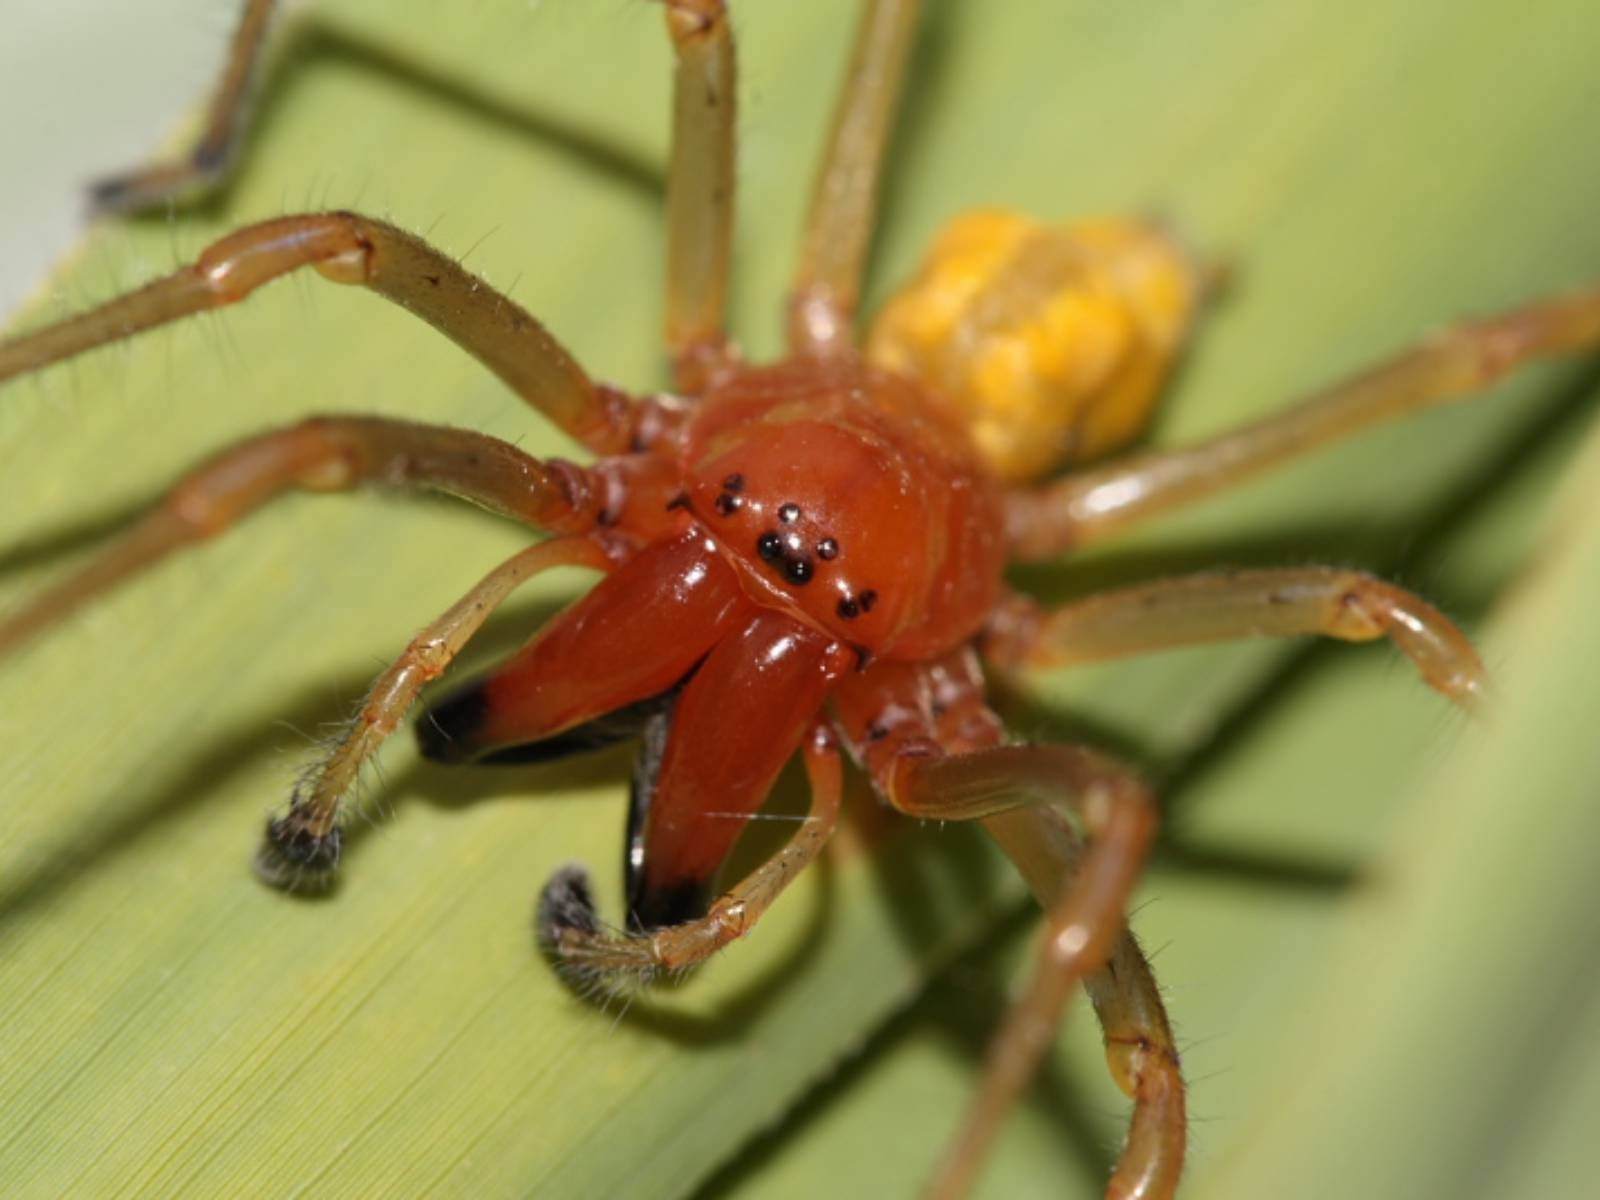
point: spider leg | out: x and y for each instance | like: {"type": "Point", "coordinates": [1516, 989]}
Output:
{"type": "Point", "coordinates": [348, 248]}
{"type": "Point", "coordinates": [1143, 1059]}
{"type": "Point", "coordinates": [827, 285]}
{"type": "Point", "coordinates": [323, 454]}
{"type": "Point", "coordinates": [212, 155]}
{"type": "Point", "coordinates": [569, 928]}
{"type": "Point", "coordinates": [1215, 606]}
{"type": "Point", "coordinates": [700, 188]}
{"type": "Point", "coordinates": [1087, 505]}
{"type": "Point", "coordinates": [1026, 796]}
{"type": "Point", "coordinates": [304, 843]}
{"type": "Point", "coordinates": [1077, 824]}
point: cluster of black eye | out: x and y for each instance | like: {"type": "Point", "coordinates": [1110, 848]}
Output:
{"type": "Point", "coordinates": [787, 551]}
{"type": "Point", "coordinates": [728, 500]}
{"type": "Point", "coordinates": [852, 607]}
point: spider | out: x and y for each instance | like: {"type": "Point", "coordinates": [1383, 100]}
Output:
{"type": "Point", "coordinates": [837, 520]}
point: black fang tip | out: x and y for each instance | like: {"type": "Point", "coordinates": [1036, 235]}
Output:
{"type": "Point", "coordinates": [656, 907]}
{"type": "Point", "coordinates": [447, 731]}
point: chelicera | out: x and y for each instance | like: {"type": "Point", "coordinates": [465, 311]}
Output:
{"type": "Point", "coordinates": [806, 557]}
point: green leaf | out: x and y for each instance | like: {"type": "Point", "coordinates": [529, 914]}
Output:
{"type": "Point", "coordinates": [170, 1026]}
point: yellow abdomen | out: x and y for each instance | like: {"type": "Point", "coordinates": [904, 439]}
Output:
{"type": "Point", "coordinates": [1052, 341]}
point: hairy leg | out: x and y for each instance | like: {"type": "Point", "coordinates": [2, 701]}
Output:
{"type": "Point", "coordinates": [572, 933]}
{"type": "Point", "coordinates": [303, 845]}
{"type": "Point", "coordinates": [1088, 505]}
{"type": "Point", "coordinates": [347, 248]}
{"type": "Point", "coordinates": [1216, 606]}
{"type": "Point", "coordinates": [700, 189]}
{"type": "Point", "coordinates": [1032, 799]}
{"type": "Point", "coordinates": [833, 253]}
{"type": "Point", "coordinates": [323, 454]}
{"type": "Point", "coordinates": [1077, 825]}
{"type": "Point", "coordinates": [1143, 1058]}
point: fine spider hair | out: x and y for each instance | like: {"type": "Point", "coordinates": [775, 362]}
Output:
{"type": "Point", "coordinates": [566, 908]}
{"type": "Point", "coordinates": [807, 558]}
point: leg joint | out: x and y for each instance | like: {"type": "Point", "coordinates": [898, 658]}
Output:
{"type": "Point", "coordinates": [691, 21]}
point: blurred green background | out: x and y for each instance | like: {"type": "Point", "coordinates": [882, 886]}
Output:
{"type": "Point", "coordinates": [1374, 919]}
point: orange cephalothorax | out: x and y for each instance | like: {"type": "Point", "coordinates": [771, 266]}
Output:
{"type": "Point", "coordinates": [1051, 340]}
{"type": "Point", "coordinates": [842, 494]}
{"type": "Point", "coordinates": [803, 559]}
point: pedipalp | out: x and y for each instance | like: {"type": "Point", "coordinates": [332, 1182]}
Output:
{"type": "Point", "coordinates": [597, 956]}
{"type": "Point", "coordinates": [302, 847]}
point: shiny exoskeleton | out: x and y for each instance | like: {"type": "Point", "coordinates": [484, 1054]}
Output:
{"type": "Point", "coordinates": [818, 517]}
{"type": "Point", "coordinates": [805, 556]}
